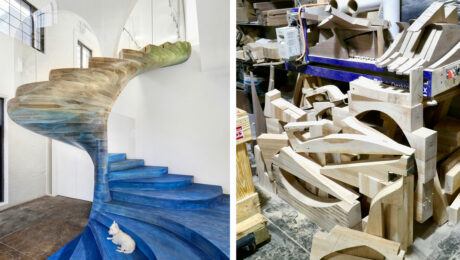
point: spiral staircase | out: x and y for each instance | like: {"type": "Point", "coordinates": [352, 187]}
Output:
{"type": "Point", "coordinates": [168, 215]}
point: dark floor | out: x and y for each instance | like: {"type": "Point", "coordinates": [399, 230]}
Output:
{"type": "Point", "coordinates": [292, 233]}
{"type": "Point", "coordinates": [37, 229]}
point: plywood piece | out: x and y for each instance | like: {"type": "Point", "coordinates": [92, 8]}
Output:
{"type": "Point", "coordinates": [341, 238]}
{"type": "Point", "coordinates": [309, 171]}
{"type": "Point", "coordinates": [247, 207]}
{"type": "Point", "coordinates": [243, 127]}
{"type": "Point", "coordinates": [325, 212]}
{"type": "Point", "coordinates": [244, 182]}
{"type": "Point", "coordinates": [257, 109]}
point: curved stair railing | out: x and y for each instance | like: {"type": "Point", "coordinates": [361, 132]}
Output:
{"type": "Point", "coordinates": [74, 105]}
{"type": "Point", "coordinates": [161, 211]}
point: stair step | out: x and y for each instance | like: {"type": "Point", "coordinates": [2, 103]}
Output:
{"type": "Point", "coordinates": [106, 247]}
{"type": "Point", "coordinates": [166, 182]}
{"type": "Point", "coordinates": [208, 229]}
{"type": "Point", "coordinates": [65, 252]}
{"type": "Point", "coordinates": [86, 247]}
{"type": "Point", "coordinates": [193, 197]}
{"type": "Point", "coordinates": [125, 164]}
{"type": "Point", "coordinates": [141, 244]}
{"type": "Point", "coordinates": [116, 157]}
{"type": "Point", "coordinates": [158, 240]}
{"type": "Point", "coordinates": [138, 173]}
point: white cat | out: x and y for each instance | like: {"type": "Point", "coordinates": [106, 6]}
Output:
{"type": "Point", "coordinates": [125, 242]}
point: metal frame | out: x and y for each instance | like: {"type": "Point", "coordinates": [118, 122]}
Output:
{"type": "Point", "coordinates": [348, 70]}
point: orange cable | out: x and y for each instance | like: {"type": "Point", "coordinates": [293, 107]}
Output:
{"type": "Point", "coordinates": [301, 27]}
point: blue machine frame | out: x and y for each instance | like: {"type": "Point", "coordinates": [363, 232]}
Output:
{"type": "Point", "coordinates": [336, 69]}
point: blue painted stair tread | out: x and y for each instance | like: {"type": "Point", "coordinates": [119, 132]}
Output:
{"type": "Point", "coordinates": [116, 157]}
{"type": "Point", "coordinates": [108, 249]}
{"type": "Point", "coordinates": [192, 197]}
{"type": "Point", "coordinates": [207, 227]}
{"type": "Point", "coordinates": [165, 244]}
{"type": "Point", "coordinates": [166, 182]}
{"type": "Point", "coordinates": [137, 173]}
{"type": "Point", "coordinates": [67, 250]}
{"type": "Point", "coordinates": [141, 244]}
{"type": "Point", "coordinates": [125, 164]}
{"type": "Point", "coordinates": [86, 248]}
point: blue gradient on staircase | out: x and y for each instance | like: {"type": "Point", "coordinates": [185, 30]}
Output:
{"type": "Point", "coordinates": [167, 215]}
{"type": "Point", "coordinates": [116, 157]}
{"type": "Point", "coordinates": [106, 247]}
{"type": "Point", "coordinates": [165, 248]}
{"type": "Point", "coordinates": [140, 172]}
{"type": "Point", "coordinates": [207, 228]}
{"type": "Point", "coordinates": [192, 197]}
{"type": "Point", "coordinates": [125, 164]}
{"type": "Point", "coordinates": [166, 182]}
{"type": "Point", "coordinates": [86, 248]}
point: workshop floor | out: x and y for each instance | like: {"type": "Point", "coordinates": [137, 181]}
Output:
{"type": "Point", "coordinates": [292, 233]}
{"type": "Point", "coordinates": [37, 229]}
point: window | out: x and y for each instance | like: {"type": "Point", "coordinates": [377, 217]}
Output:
{"type": "Point", "coordinates": [21, 20]}
{"type": "Point", "coordinates": [83, 55]}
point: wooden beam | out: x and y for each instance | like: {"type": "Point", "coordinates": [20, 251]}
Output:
{"type": "Point", "coordinates": [341, 238]}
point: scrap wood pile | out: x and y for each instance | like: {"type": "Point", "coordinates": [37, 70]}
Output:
{"type": "Point", "coordinates": [341, 172]}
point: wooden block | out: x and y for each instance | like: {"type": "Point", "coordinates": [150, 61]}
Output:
{"type": "Point", "coordinates": [351, 143]}
{"type": "Point", "coordinates": [423, 201]}
{"type": "Point", "coordinates": [408, 118]}
{"type": "Point", "coordinates": [450, 162]}
{"type": "Point", "coordinates": [276, 107]}
{"type": "Point", "coordinates": [244, 182]}
{"type": "Point", "coordinates": [247, 207]}
{"type": "Point", "coordinates": [390, 214]}
{"type": "Point", "coordinates": [454, 211]}
{"type": "Point", "coordinates": [327, 213]}
{"type": "Point", "coordinates": [424, 141]}
{"type": "Point", "coordinates": [265, 181]}
{"type": "Point", "coordinates": [452, 180]}
{"type": "Point", "coordinates": [274, 126]}
{"type": "Point", "coordinates": [379, 170]}
{"type": "Point", "coordinates": [257, 224]}
{"type": "Point", "coordinates": [341, 238]}
{"type": "Point", "coordinates": [309, 171]}
{"type": "Point", "coordinates": [243, 127]}
{"type": "Point", "coordinates": [370, 186]}
{"type": "Point", "coordinates": [270, 145]}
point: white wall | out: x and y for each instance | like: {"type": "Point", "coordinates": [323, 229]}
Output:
{"type": "Point", "coordinates": [182, 120]}
{"type": "Point", "coordinates": [26, 164]}
{"type": "Point", "coordinates": [181, 113]}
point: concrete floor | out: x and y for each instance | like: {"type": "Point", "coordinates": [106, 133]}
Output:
{"type": "Point", "coordinates": [292, 234]}
{"type": "Point", "coordinates": [37, 229]}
